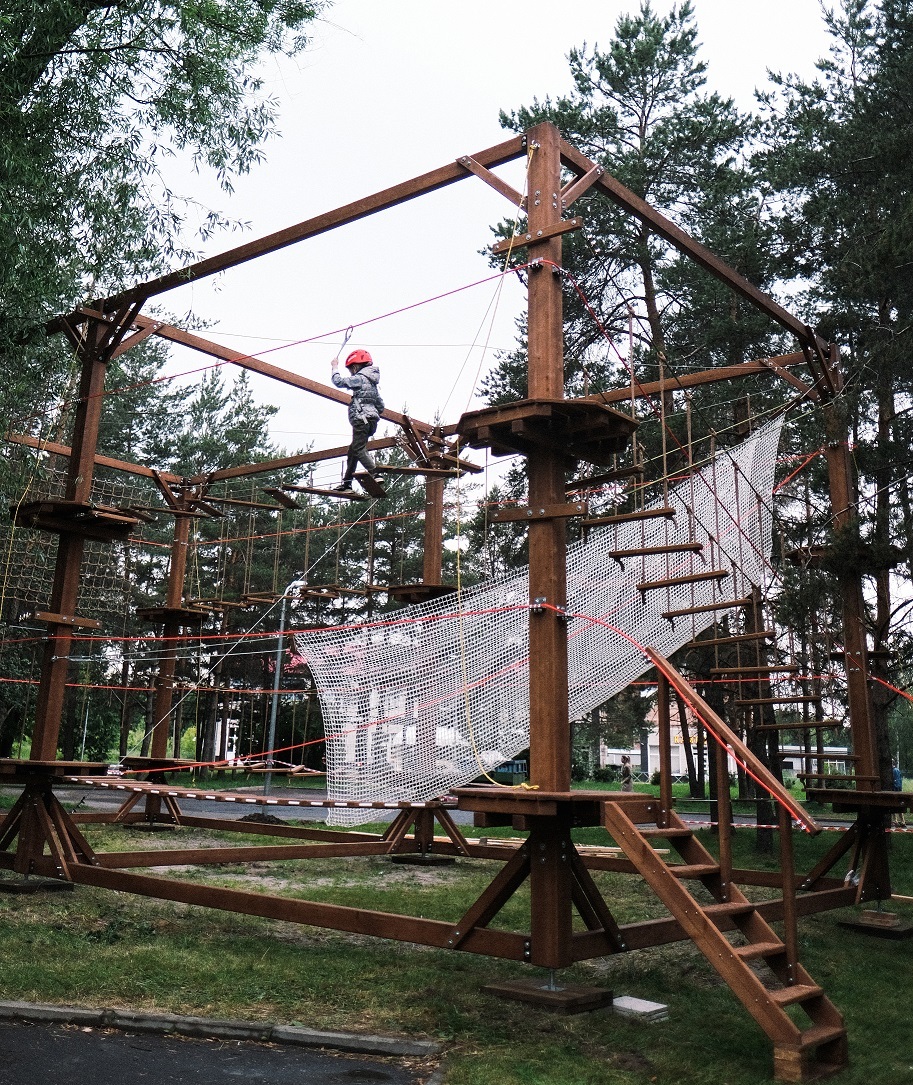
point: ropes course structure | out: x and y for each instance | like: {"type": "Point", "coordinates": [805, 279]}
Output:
{"type": "Point", "coordinates": [433, 700]}
{"type": "Point", "coordinates": [421, 704]}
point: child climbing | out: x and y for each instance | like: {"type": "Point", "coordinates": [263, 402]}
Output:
{"type": "Point", "coordinates": [364, 410]}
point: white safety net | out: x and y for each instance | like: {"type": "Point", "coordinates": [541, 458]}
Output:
{"type": "Point", "coordinates": [427, 700]}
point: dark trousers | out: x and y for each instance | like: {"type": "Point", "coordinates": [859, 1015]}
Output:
{"type": "Point", "coordinates": [362, 432]}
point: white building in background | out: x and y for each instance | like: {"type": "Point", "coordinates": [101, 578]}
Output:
{"type": "Point", "coordinates": [645, 755]}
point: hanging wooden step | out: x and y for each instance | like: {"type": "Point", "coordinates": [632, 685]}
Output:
{"type": "Point", "coordinates": [754, 670]}
{"type": "Point", "coordinates": [736, 638]}
{"type": "Point", "coordinates": [647, 551]}
{"type": "Point", "coordinates": [802, 725]}
{"type": "Point", "coordinates": [729, 604]}
{"type": "Point", "coordinates": [627, 517]}
{"type": "Point", "coordinates": [319, 491]}
{"type": "Point", "coordinates": [678, 581]}
{"type": "Point", "coordinates": [809, 699]}
{"type": "Point", "coordinates": [370, 484]}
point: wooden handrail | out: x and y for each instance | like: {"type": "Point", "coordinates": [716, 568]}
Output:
{"type": "Point", "coordinates": [727, 737]}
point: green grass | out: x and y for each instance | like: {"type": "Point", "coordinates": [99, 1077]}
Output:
{"type": "Point", "coordinates": [96, 948]}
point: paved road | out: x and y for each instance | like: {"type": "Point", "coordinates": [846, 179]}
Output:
{"type": "Point", "coordinates": [70, 1055]}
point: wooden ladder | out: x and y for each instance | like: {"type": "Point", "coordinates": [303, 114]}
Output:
{"type": "Point", "coordinates": [801, 1052]}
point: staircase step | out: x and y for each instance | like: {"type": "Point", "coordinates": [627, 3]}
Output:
{"type": "Point", "coordinates": [694, 870]}
{"type": "Point", "coordinates": [667, 834]}
{"type": "Point", "coordinates": [798, 992]}
{"type": "Point", "coordinates": [733, 908]}
{"type": "Point", "coordinates": [820, 1034]}
{"type": "Point", "coordinates": [755, 950]}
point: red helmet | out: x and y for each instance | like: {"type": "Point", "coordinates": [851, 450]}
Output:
{"type": "Point", "coordinates": [358, 357]}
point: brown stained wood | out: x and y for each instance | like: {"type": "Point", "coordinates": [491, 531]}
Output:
{"type": "Point", "coordinates": [591, 904]}
{"type": "Point", "coordinates": [548, 680]}
{"type": "Point", "coordinates": [427, 932]}
{"type": "Point", "coordinates": [251, 853]}
{"type": "Point", "coordinates": [728, 604]}
{"type": "Point", "coordinates": [717, 726]}
{"type": "Point", "coordinates": [352, 212]}
{"type": "Point", "coordinates": [625, 517]}
{"type": "Point", "coordinates": [563, 510]}
{"type": "Point", "coordinates": [65, 619]}
{"type": "Point", "coordinates": [367, 483]}
{"type": "Point", "coordinates": [511, 244]}
{"type": "Point", "coordinates": [602, 479]}
{"type": "Point", "coordinates": [690, 578]}
{"type": "Point", "coordinates": [702, 256]}
{"type": "Point", "coordinates": [647, 551]}
{"type": "Point", "coordinates": [810, 699]}
{"type": "Point", "coordinates": [491, 179]}
{"type": "Point", "coordinates": [738, 638]}
{"type": "Point", "coordinates": [265, 466]}
{"type": "Point", "coordinates": [723, 957]}
{"type": "Point", "coordinates": [508, 880]}
{"type": "Point", "coordinates": [574, 189]}
{"type": "Point", "coordinates": [572, 429]}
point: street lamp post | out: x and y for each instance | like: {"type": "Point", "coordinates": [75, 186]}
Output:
{"type": "Point", "coordinates": [274, 707]}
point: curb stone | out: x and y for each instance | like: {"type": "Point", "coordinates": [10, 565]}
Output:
{"type": "Point", "coordinates": [206, 1027]}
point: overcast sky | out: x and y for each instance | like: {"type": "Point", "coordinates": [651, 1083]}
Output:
{"type": "Point", "coordinates": [385, 92]}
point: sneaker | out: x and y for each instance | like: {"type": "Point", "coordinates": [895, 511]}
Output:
{"type": "Point", "coordinates": [344, 486]}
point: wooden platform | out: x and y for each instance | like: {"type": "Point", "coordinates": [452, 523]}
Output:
{"type": "Point", "coordinates": [418, 593]}
{"type": "Point", "coordinates": [580, 428]}
{"type": "Point", "coordinates": [97, 522]}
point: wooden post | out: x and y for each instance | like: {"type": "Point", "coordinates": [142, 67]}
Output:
{"type": "Point", "coordinates": [432, 558]}
{"type": "Point", "coordinates": [724, 821]}
{"type": "Point", "coordinates": [55, 660]}
{"type": "Point", "coordinates": [551, 881]}
{"type": "Point", "coordinates": [664, 726]}
{"type": "Point", "coordinates": [164, 682]}
{"type": "Point", "coordinates": [550, 745]}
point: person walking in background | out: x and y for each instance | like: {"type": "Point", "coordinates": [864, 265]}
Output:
{"type": "Point", "coordinates": [627, 779]}
{"type": "Point", "coordinates": [899, 816]}
{"type": "Point", "coordinates": [364, 410]}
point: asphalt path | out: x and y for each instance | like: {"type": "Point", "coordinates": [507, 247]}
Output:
{"type": "Point", "coordinates": [74, 1055]}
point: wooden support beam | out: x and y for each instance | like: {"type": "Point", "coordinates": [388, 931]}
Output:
{"type": "Point", "coordinates": [575, 189]}
{"type": "Point", "coordinates": [727, 737]}
{"type": "Point", "coordinates": [100, 461]}
{"type": "Point", "coordinates": [492, 179]}
{"type": "Point", "coordinates": [562, 510]}
{"type": "Point", "coordinates": [351, 212]}
{"type": "Point", "coordinates": [511, 244]}
{"type": "Point", "coordinates": [686, 244]}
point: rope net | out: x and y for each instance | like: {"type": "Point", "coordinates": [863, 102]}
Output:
{"type": "Point", "coordinates": [415, 707]}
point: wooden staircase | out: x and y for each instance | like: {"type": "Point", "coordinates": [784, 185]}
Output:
{"type": "Point", "coordinates": [758, 965]}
